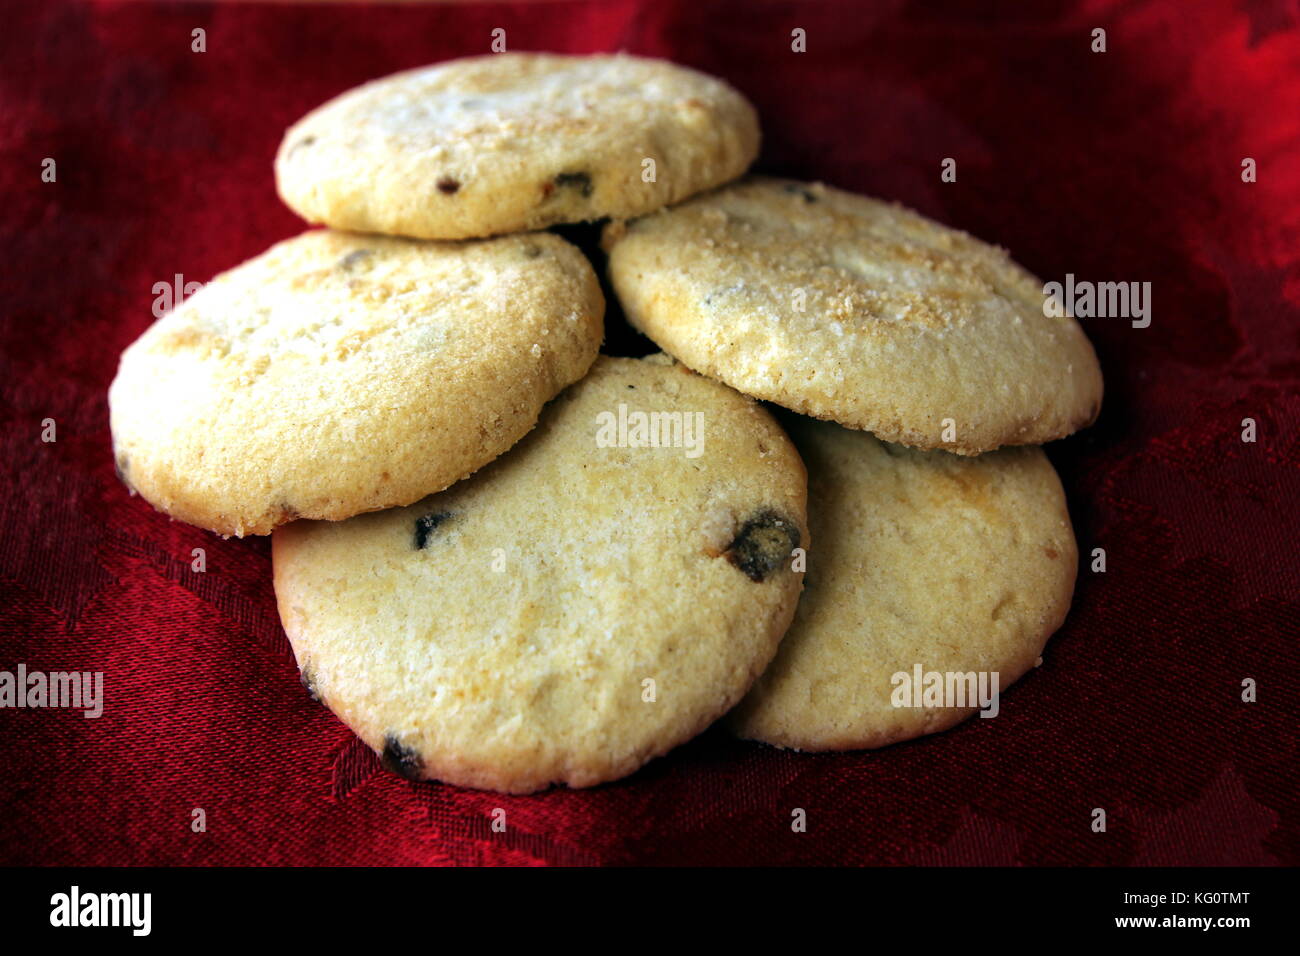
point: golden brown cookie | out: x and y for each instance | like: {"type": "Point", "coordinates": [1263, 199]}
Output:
{"type": "Point", "coordinates": [856, 311]}
{"type": "Point", "coordinates": [515, 141]}
{"type": "Point", "coordinates": [924, 564]}
{"type": "Point", "coordinates": [337, 374]}
{"type": "Point", "coordinates": [595, 597]}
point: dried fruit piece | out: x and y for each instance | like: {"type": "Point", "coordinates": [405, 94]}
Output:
{"type": "Point", "coordinates": [763, 544]}
{"type": "Point", "coordinates": [400, 759]}
{"type": "Point", "coordinates": [425, 525]}
{"type": "Point", "coordinates": [578, 181]}
{"type": "Point", "coordinates": [309, 683]}
{"type": "Point", "coordinates": [797, 189]}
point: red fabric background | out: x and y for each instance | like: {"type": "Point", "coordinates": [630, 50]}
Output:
{"type": "Point", "coordinates": [1116, 166]}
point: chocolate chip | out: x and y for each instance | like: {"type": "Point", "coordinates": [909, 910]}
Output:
{"type": "Point", "coordinates": [794, 188]}
{"type": "Point", "coordinates": [400, 759]}
{"type": "Point", "coordinates": [448, 185]}
{"type": "Point", "coordinates": [531, 251]}
{"type": "Point", "coordinates": [763, 544]}
{"type": "Point", "coordinates": [425, 525]}
{"type": "Point", "coordinates": [309, 683]}
{"type": "Point", "coordinates": [305, 141]}
{"type": "Point", "coordinates": [578, 181]}
{"type": "Point", "coordinates": [353, 257]}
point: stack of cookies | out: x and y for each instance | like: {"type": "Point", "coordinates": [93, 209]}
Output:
{"type": "Point", "coordinates": [507, 561]}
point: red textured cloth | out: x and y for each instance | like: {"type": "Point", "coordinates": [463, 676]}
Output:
{"type": "Point", "coordinates": [1116, 166]}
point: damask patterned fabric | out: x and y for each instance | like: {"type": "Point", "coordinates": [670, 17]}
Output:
{"type": "Point", "coordinates": [1122, 165]}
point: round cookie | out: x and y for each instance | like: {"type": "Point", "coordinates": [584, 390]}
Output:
{"type": "Point", "coordinates": [504, 634]}
{"type": "Point", "coordinates": [336, 374]}
{"type": "Point", "coordinates": [514, 141]}
{"type": "Point", "coordinates": [856, 311]}
{"type": "Point", "coordinates": [923, 560]}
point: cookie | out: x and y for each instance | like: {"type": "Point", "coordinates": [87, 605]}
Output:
{"type": "Point", "coordinates": [857, 311]}
{"type": "Point", "coordinates": [337, 374]}
{"type": "Point", "coordinates": [925, 564]}
{"type": "Point", "coordinates": [596, 596]}
{"type": "Point", "coordinates": [515, 141]}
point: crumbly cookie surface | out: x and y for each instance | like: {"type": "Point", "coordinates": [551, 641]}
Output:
{"type": "Point", "coordinates": [514, 141]}
{"type": "Point", "coordinates": [857, 311]}
{"type": "Point", "coordinates": [572, 611]}
{"type": "Point", "coordinates": [337, 374]}
{"type": "Point", "coordinates": [958, 565]}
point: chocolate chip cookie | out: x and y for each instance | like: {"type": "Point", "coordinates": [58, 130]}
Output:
{"type": "Point", "coordinates": [588, 601]}
{"type": "Point", "coordinates": [514, 141]}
